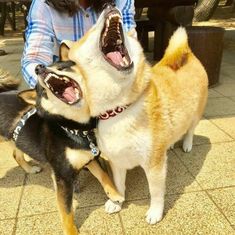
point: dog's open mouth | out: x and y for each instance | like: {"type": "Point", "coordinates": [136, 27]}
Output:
{"type": "Point", "coordinates": [63, 87]}
{"type": "Point", "coordinates": [112, 42]}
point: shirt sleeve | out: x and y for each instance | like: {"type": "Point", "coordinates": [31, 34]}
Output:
{"type": "Point", "coordinates": [39, 45]}
{"type": "Point", "coordinates": [127, 8]}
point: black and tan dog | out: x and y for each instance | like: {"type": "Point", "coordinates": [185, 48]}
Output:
{"type": "Point", "coordinates": [52, 123]}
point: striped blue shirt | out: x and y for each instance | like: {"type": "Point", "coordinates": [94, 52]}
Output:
{"type": "Point", "coordinates": [47, 28]}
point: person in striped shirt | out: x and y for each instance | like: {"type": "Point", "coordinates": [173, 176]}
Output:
{"type": "Point", "coordinates": [52, 21]}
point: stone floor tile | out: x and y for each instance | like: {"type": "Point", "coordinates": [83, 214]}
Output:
{"type": "Point", "coordinates": [11, 181]}
{"type": "Point", "coordinates": [206, 132]}
{"type": "Point", "coordinates": [225, 200]}
{"type": "Point", "coordinates": [91, 191]}
{"type": "Point", "coordinates": [6, 157]}
{"type": "Point", "coordinates": [7, 227]}
{"type": "Point", "coordinates": [46, 224]}
{"type": "Point", "coordinates": [226, 78]}
{"type": "Point", "coordinates": [38, 195]}
{"type": "Point", "coordinates": [191, 213]}
{"type": "Point", "coordinates": [179, 180]}
{"type": "Point", "coordinates": [136, 185]}
{"type": "Point", "coordinates": [219, 107]}
{"type": "Point", "coordinates": [226, 89]}
{"type": "Point", "coordinates": [227, 124]}
{"type": "Point", "coordinates": [213, 94]}
{"type": "Point", "coordinates": [94, 221]}
{"type": "Point", "coordinates": [211, 165]}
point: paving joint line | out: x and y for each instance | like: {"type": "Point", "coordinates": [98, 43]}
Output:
{"type": "Point", "coordinates": [19, 204]}
{"type": "Point", "coordinates": [187, 168]}
{"type": "Point", "coordinates": [37, 214]}
{"type": "Point", "coordinates": [220, 210]}
{"type": "Point", "coordinates": [218, 188]}
{"type": "Point", "coordinates": [122, 225]}
{"type": "Point", "coordinates": [211, 121]}
{"type": "Point", "coordinates": [205, 190]}
{"type": "Point", "coordinates": [13, 218]}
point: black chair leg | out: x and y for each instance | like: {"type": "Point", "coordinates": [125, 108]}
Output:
{"type": "Point", "coordinates": [3, 8]}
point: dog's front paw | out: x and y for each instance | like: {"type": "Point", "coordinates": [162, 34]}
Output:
{"type": "Point", "coordinates": [112, 207]}
{"type": "Point", "coordinates": [154, 215]}
{"type": "Point", "coordinates": [114, 195]}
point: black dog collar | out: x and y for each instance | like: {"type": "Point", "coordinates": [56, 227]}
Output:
{"type": "Point", "coordinates": [75, 135]}
{"type": "Point", "coordinates": [22, 122]}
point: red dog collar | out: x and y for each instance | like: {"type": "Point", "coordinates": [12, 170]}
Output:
{"type": "Point", "coordinates": [112, 113]}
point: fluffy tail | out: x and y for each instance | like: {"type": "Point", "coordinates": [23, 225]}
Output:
{"type": "Point", "coordinates": [7, 82]}
{"type": "Point", "coordinates": [178, 51]}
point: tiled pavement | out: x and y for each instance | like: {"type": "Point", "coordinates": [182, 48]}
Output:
{"type": "Point", "coordinates": [200, 196]}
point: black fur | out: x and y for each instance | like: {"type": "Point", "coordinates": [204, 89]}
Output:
{"type": "Point", "coordinates": [43, 139]}
{"type": "Point", "coordinates": [41, 132]}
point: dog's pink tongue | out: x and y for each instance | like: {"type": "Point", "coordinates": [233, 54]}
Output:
{"type": "Point", "coordinates": [70, 94]}
{"type": "Point", "coordinates": [116, 57]}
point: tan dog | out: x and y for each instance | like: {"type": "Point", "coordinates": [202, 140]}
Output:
{"type": "Point", "coordinates": [143, 110]}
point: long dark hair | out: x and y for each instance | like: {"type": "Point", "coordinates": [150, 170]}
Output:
{"type": "Point", "coordinates": [72, 6]}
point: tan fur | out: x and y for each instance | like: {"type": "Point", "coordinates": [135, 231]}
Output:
{"type": "Point", "coordinates": [67, 217]}
{"type": "Point", "coordinates": [105, 181]}
{"type": "Point", "coordinates": [165, 102]}
{"type": "Point", "coordinates": [78, 158]}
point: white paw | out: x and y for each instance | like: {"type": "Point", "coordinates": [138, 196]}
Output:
{"type": "Point", "coordinates": [35, 170]}
{"type": "Point", "coordinates": [172, 146]}
{"type": "Point", "coordinates": [112, 207]}
{"type": "Point", "coordinates": [187, 145]}
{"type": "Point", "coordinates": [154, 215]}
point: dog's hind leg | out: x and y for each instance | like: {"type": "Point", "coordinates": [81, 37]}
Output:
{"type": "Point", "coordinates": [19, 157]}
{"type": "Point", "coordinates": [64, 193]}
{"type": "Point", "coordinates": [188, 138]}
{"type": "Point", "coordinates": [105, 181]}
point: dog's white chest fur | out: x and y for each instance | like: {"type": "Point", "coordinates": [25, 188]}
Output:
{"type": "Point", "coordinates": [123, 142]}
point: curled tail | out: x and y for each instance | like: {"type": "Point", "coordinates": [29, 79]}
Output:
{"type": "Point", "coordinates": [7, 82]}
{"type": "Point", "coordinates": [178, 51]}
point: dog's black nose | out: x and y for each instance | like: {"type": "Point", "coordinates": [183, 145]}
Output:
{"type": "Point", "coordinates": [40, 69]}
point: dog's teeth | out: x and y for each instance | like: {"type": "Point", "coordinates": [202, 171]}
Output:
{"type": "Point", "coordinates": [47, 78]}
{"type": "Point", "coordinates": [125, 60]}
{"type": "Point", "coordinates": [122, 64]}
{"type": "Point", "coordinates": [77, 93]}
{"type": "Point", "coordinates": [65, 79]}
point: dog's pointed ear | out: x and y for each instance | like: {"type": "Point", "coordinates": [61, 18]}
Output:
{"type": "Point", "coordinates": [64, 50]}
{"type": "Point", "coordinates": [28, 96]}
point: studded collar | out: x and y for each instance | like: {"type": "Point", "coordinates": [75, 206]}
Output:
{"type": "Point", "coordinates": [112, 113]}
{"type": "Point", "coordinates": [89, 135]}
{"type": "Point", "coordinates": [22, 123]}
